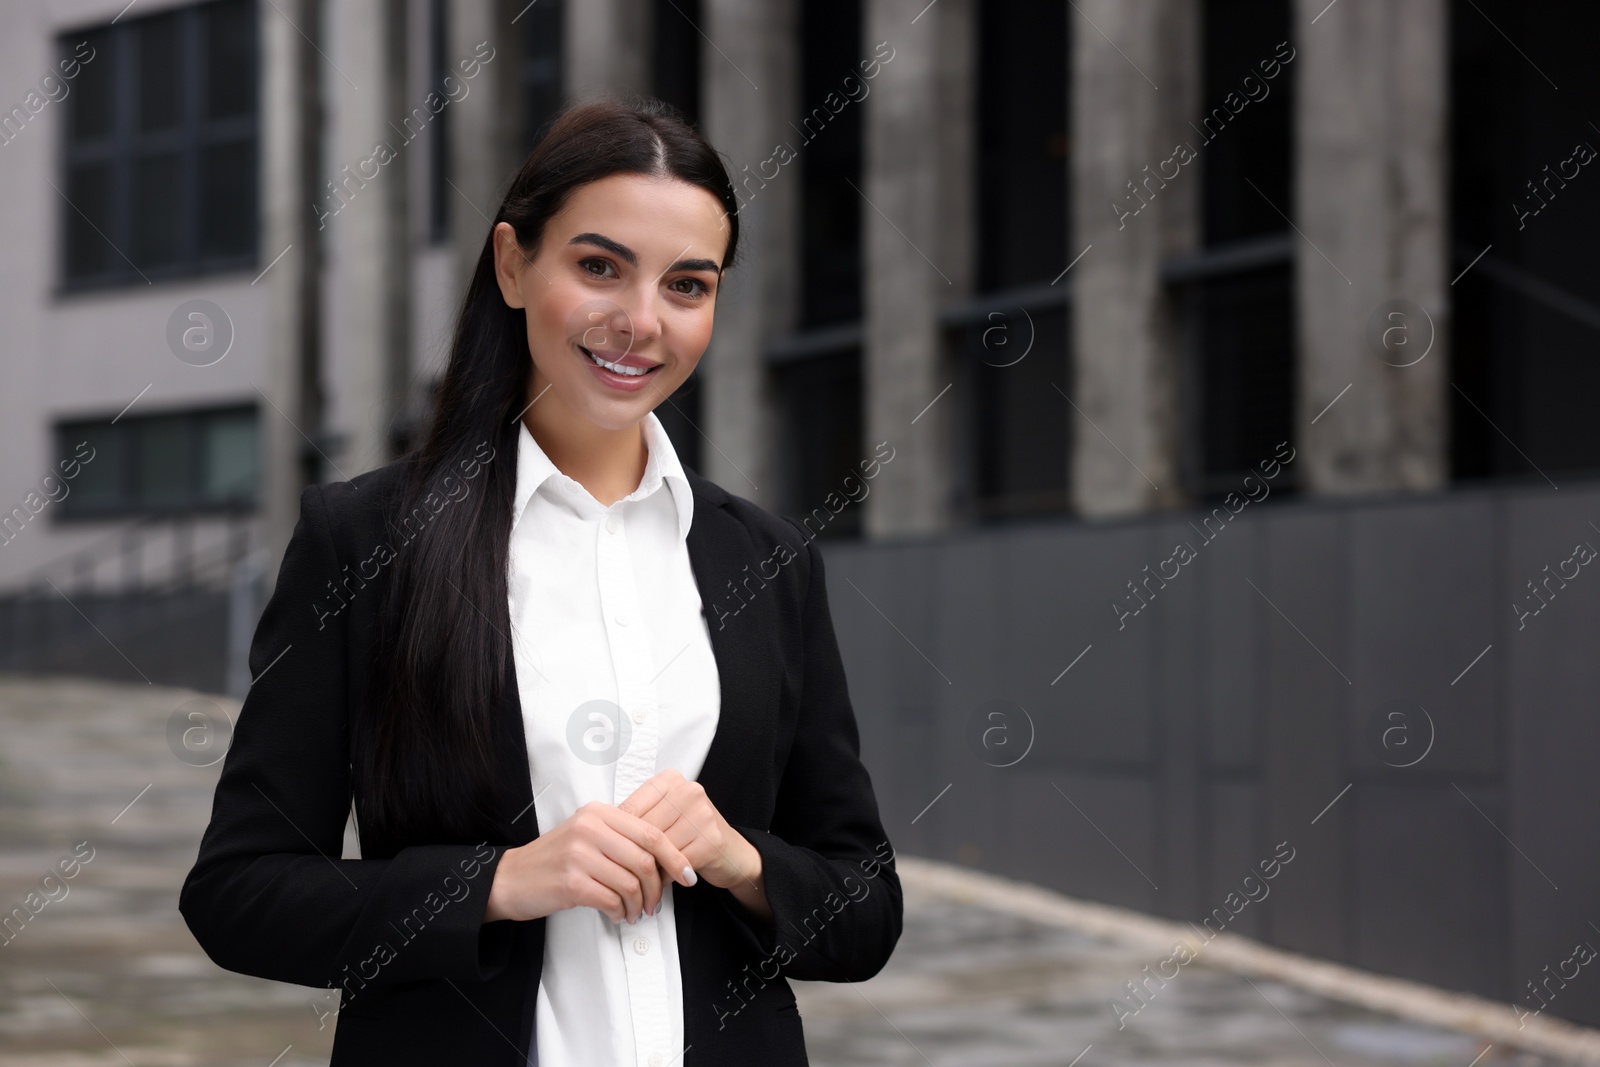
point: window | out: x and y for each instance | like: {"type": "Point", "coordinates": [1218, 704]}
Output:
{"type": "Point", "coordinates": [820, 408]}
{"type": "Point", "coordinates": [1236, 296]}
{"type": "Point", "coordinates": [204, 460]}
{"type": "Point", "coordinates": [439, 147]}
{"type": "Point", "coordinates": [1525, 301]}
{"type": "Point", "coordinates": [160, 147]}
{"type": "Point", "coordinates": [676, 60]}
{"type": "Point", "coordinates": [1022, 143]}
{"type": "Point", "coordinates": [540, 75]}
{"type": "Point", "coordinates": [815, 374]}
{"type": "Point", "coordinates": [1010, 345]}
{"type": "Point", "coordinates": [828, 150]}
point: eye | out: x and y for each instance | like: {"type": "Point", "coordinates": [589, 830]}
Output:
{"type": "Point", "coordinates": [700, 288]}
{"type": "Point", "coordinates": [585, 264]}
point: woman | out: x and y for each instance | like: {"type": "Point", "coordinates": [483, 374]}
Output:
{"type": "Point", "coordinates": [588, 707]}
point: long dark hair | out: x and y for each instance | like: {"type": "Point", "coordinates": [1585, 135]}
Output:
{"type": "Point", "coordinates": [423, 744]}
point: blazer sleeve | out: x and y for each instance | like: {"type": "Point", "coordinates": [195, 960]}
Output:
{"type": "Point", "coordinates": [269, 894]}
{"type": "Point", "coordinates": [827, 865]}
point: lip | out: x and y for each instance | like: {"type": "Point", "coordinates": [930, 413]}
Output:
{"type": "Point", "coordinates": [622, 383]}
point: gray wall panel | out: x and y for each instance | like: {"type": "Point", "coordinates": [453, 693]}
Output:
{"type": "Point", "coordinates": [1417, 570]}
{"type": "Point", "coordinates": [1301, 585]}
{"type": "Point", "coordinates": [1229, 688]}
{"type": "Point", "coordinates": [1427, 886]}
{"type": "Point", "coordinates": [1235, 849]}
{"type": "Point", "coordinates": [1554, 743]}
{"type": "Point", "coordinates": [1208, 728]}
{"type": "Point", "coordinates": [1091, 835]}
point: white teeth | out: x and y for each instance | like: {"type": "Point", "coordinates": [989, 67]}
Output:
{"type": "Point", "coordinates": [618, 368]}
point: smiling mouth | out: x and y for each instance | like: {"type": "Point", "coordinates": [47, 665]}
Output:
{"type": "Point", "coordinates": [619, 368]}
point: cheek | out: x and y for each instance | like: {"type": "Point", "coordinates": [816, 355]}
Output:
{"type": "Point", "coordinates": [549, 316]}
{"type": "Point", "coordinates": [694, 335]}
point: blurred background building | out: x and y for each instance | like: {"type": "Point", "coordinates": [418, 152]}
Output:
{"type": "Point", "coordinates": [1090, 270]}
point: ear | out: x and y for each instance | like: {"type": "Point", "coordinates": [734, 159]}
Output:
{"type": "Point", "coordinates": [508, 263]}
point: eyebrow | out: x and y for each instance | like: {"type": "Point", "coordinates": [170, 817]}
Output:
{"type": "Point", "coordinates": [631, 258]}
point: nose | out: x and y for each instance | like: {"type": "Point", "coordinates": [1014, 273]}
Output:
{"type": "Point", "coordinates": [640, 320]}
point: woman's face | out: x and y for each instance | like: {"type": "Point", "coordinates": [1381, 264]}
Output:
{"type": "Point", "coordinates": [627, 271]}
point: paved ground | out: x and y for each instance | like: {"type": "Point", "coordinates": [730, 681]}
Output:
{"type": "Point", "coordinates": [969, 986]}
{"type": "Point", "coordinates": [108, 973]}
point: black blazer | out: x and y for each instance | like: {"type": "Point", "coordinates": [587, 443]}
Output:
{"type": "Point", "coordinates": [424, 980]}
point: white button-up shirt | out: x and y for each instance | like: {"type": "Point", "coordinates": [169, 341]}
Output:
{"type": "Point", "coordinates": [618, 682]}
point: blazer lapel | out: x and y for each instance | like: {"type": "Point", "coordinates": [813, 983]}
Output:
{"type": "Point", "coordinates": [719, 549]}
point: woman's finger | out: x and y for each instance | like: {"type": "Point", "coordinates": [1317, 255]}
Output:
{"type": "Point", "coordinates": [592, 886]}
{"type": "Point", "coordinates": [654, 840]}
{"type": "Point", "coordinates": [652, 793]}
{"type": "Point", "coordinates": [608, 853]}
{"type": "Point", "coordinates": [638, 861]}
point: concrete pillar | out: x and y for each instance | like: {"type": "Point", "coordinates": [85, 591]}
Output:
{"type": "Point", "coordinates": [917, 222]}
{"type": "Point", "coordinates": [607, 47]}
{"type": "Point", "coordinates": [364, 194]}
{"type": "Point", "coordinates": [485, 130]}
{"type": "Point", "coordinates": [291, 79]}
{"type": "Point", "coordinates": [1370, 199]}
{"type": "Point", "coordinates": [1131, 102]}
{"type": "Point", "coordinates": [746, 116]}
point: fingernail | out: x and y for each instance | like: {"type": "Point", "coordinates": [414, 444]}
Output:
{"type": "Point", "coordinates": [657, 909]}
{"type": "Point", "coordinates": [689, 876]}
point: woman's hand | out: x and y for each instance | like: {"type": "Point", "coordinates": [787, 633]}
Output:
{"type": "Point", "coordinates": [719, 853]}
{"type": "Point", "coordinates": [601, 857]}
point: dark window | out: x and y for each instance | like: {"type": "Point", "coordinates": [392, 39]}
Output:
{"type": "Point", "coordinates": [816, 373]}
{"type": "Point", "coordinates": [828, 146]}
{"type": "Point", "coordinates": [1236, 303]}
{"type": "Point", "coordinates": [1243, 384]}
{"type": "Point", "coordinates": [185, 461]}
{"type": "Point", "coordinates": [1012, 370]}
{"type": "Point", "coordinates": [1022, 143]}
{"type": "Point", "coordinates": [821, 412]}
{"type": "Point", "coordinates": [161, 145]}
{"type": "Point", "coordinates": [540, 74]}
{"type": "Point", "coordinates": [677, 55]}
{"type": "Point", "coordinates": [439, 191]}
{"type": "Point", "coordinates": [1013, 373]}
{"type": "Point", "coordinates": [1251, 147]}
{"type": "Point", "coordinates": [1525, 301]}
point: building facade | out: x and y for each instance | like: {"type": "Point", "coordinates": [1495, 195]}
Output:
{"type": "Point", "coordinates": [1080, 268]}
{"type": "Point", "coordinates": [985, 232]}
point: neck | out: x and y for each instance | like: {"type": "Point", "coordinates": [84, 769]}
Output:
{"type": "Point", "coordinates": [608, 463]}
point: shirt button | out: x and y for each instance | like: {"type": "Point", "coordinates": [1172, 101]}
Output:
{"type": "Point", "coordinates": [639, 714]}
{"type": "Point", "coordinates": [655, 1059]}
{"type": "Point", "coordinates": [611, 524]}
{"type": "Point", "coordinates": [622, 620]}
{"type": "Point", "coordinates": [641, 945]}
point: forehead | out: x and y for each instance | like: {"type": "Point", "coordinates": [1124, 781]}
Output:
{"type": "Point", "coordinates": [655, 217]}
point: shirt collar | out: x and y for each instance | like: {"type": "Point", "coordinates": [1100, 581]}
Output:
{"type": "Point", "coordinates": [534, 468]}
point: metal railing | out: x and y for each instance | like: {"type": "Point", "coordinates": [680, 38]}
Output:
{"type": "Point", "coordinates": [171, 597]}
